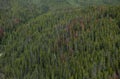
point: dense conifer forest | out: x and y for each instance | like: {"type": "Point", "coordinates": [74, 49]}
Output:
{"type": "Point", "coordinates": [59, 39]}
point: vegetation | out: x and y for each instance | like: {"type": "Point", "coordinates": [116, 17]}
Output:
{"type": "Point", "coordinates": [49, 42]}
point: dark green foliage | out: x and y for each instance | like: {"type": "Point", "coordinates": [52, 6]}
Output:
{"type": "Point", "coordinates": [72, 43]}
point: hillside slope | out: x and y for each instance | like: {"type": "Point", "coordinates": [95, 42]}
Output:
{"type": "Point", "coordinates": [68, 44]}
